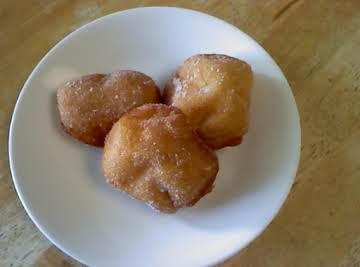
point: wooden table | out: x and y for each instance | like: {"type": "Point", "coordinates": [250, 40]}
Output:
{"type": "Point", "coordinates": [317, 45]}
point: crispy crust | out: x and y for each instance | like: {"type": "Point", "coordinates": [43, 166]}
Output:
{"type": "Point", "coordinates": [91, 104]}
{"type": "Point", "coordinates": [153, 154]}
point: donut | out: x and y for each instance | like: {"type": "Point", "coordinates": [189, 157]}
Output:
{"type": "Point", "coordinates": [91, 104]}
{"type": "Point", "coordinates": [153, 155]}
{"type": "Point", "coordinates": [214, 92]}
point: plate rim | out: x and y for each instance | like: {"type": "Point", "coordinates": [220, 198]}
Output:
{"type": "Point", "coordinates": [214, 260]}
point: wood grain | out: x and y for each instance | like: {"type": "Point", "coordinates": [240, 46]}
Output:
{"type": "Point", "coordinates": [317, 45]}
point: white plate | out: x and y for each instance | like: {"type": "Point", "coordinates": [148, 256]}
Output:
{"type": "Point", "coordinates": [58, 179]}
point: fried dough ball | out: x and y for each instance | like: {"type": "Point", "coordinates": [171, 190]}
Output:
{"type": "Point", "coordinates": [90, 105]}
{"type": "Point", "coordinates": [214, 92]}
{"type": "Point", "coordinates": [153, 155]}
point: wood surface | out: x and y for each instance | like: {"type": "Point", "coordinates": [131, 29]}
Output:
{"type": "Point", "coordinates": [317, 45]}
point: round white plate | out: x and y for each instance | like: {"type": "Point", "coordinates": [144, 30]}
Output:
{"type": "Point", "coordinates": [58, 179]}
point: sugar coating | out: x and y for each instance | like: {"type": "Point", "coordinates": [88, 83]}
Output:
{"type": "Point", "coordinates": [214, 92]}
{"type": "Point", "coordinates": [153, 154]}
{"type": "Point", "coordinates": [93, 103]}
